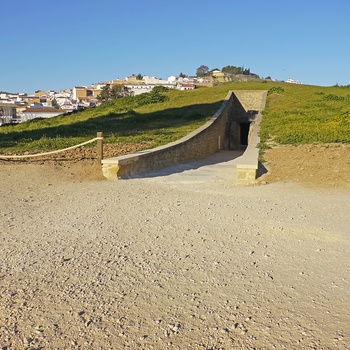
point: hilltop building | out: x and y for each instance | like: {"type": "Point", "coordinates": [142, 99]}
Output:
{"type": "Point", "coordinates": [292, 81]}
{"type": "Point", "coordinates": [219, 76]}
{"type": "Point", "coordinates": [87, 95]}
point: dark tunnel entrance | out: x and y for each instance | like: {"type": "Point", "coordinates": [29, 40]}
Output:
{"type": "Point", "coordinates": [244, 132]}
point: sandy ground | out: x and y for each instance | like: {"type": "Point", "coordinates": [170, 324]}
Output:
{"type": "Point", "coordinates": [178, 261]}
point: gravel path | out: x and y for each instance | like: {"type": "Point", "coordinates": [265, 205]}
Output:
{"type": "Point", "coordinates": [178, 261]}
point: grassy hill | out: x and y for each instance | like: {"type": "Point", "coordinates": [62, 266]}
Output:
{"type": "Point", "coordinates": [294, 114]}
{"type": "Point", "coordinates": [301, 114]}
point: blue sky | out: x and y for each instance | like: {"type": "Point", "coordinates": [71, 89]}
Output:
{"type": "Point", "coordinates": [64, 43]}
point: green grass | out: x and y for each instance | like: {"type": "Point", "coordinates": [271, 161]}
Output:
{"type": "Point", "coordinates": [304, 114]}
{"type": "Point", "coordinates": [294, 114]}
{"type": "Point", "coordinates": [122, 120]}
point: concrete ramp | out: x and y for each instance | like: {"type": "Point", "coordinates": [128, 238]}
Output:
{"type": "Point", "coordinates": [217, 169]}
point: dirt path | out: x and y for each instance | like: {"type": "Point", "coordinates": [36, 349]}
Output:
{"type": "Point", "coordinates": [146, 264]}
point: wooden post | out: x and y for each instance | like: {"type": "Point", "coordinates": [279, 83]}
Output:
{"type": "Point", "coordinates": [100, 147]}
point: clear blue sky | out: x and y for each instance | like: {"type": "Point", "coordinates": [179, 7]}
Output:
{"type": "Point", "coordinates": [64, 43]}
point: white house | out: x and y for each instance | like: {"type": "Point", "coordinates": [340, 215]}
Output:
{"type": "Point", "coordinates": [138, 89]}
{"type": "Point", "coordinates": [68, 106]}
{"type": "Point", "coordinates": [186, 86]}
{"type": "Point", "coordinates": [37, 111]}
{"type": "Point", "coordinates": [292, 81]}
{"type": "Point", "coordinates": [8, 113]}
{"type": "Point", "coordinates": [173, 79]}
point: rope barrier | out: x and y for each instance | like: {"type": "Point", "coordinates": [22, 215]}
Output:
{"type": "Point", "coordinates": [51, 152]}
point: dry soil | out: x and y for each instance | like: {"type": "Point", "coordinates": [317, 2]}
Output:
{"type": "Point", "coordinates": [150, 264]}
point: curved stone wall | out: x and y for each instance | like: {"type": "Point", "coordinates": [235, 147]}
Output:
{"type": "Point", "coordinates": [213, 136]}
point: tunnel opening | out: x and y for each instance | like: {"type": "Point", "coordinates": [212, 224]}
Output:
{"type": "Point", "coordinates": [244, 133]}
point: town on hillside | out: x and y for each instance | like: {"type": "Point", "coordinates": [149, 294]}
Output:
{"type": "Point", "coordinates": [22, 107]}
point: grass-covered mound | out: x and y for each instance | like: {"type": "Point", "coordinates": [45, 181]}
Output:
{"type": "Point", "coordinates": [304, 114]}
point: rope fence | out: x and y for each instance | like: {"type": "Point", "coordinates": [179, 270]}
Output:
{"type": "Point", "coordinates": [98, 138]}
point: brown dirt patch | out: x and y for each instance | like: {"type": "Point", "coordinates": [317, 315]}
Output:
{"type": "Point", "coordinates": [80, 163]}
{"type": "Point", "coordinates": [319, 165]}
{"type": "Point", "coordinates": [316, 165]}
{"type": "Point", "coordinates": [82, 153]}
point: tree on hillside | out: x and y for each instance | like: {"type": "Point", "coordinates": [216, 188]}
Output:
{"type": "Point", "coordinates": [181, 75]}
{"type": "Point", "coordinates": [116, 91]}
{"type": "Point", "coordinates": [238, 70]}
{"type": "Point", "coordinates": [233, 70]}
{"type": "Point", "coordinates": [139, 77]}
{"type": "Point", "coordinates": [105, 93]}
{"type": "Point", "coordinates": [111, 92]}
{"type": "Point", "coordinates": [202, 71]}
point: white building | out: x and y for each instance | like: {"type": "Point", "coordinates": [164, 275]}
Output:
{"type": "Point", "coordinates": [173, 79]}
{"type": "Point", "coordinates": [8, 113]}
{"type": "Point", "coordinates": [39, 111]}
{"type": "Point", "coordinates": [154, 81]}
{"type": "Point", "coordinates": [292, 81]}
{"type": "Point", "coordinates": [186, 86]}
{"type": "Point", "coordinates": [138, 89]}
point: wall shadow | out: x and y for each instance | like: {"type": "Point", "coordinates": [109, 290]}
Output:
{"type": "Point", "coordinates": [261, 170]}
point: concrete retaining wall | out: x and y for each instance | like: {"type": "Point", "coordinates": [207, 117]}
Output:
{"type": "Point", "coordinates": [247, 169]}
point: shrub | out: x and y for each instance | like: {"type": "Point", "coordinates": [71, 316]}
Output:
{"type": "Point", "coordinates": [332, 97]}
{"type": "Point", "coordinates": [159, 89]}
{"type": "Point", "coordinates": [275, 89]}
